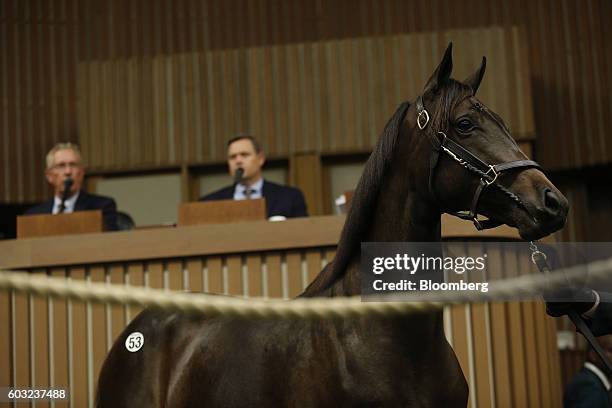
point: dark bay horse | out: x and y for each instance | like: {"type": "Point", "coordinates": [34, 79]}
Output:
{"type": "Point", "coordinates": [446, 152]}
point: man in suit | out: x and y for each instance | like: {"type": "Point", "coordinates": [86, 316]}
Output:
{"type": "Point", "coordinates": [591, 386]}
{"type": "Point", "coordinates": [244, 152]}
{"type": "Point", "coordinates": [64, 162]}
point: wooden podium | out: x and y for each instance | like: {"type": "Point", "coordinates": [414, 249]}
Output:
{"type": "Point", "coordinates": [42, 225]}
{"type": "Point", "coordinates": [222, 211]}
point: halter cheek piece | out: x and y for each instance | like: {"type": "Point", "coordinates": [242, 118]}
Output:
{"type": "Point", "coordinates": [488, 172]}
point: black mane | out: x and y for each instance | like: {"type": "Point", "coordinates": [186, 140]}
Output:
{"type": "Point", "coordinates": [366, 193]}
{"type": "Point", "coordinates": [362, 203]}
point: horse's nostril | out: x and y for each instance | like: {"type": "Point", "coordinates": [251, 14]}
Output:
{"type": "Point", "coordinates": [551, 200]}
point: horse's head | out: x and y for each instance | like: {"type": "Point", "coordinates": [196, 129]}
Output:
{"type": "Point", "coordinates": [475, 166]}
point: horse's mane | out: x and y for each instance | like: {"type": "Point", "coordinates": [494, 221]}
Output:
{"type": "Point", "coordinates": [366, 193]}
{"type": "Point", "coordinates": [362, 203]}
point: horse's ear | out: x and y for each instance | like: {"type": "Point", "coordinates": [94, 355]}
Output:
{"type": "Point", "coordinates": [474, 79]}
{"type": "Point", "coordinates": [443, 72]}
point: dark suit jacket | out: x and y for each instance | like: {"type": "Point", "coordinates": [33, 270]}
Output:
{"type": "Point", "coordinates": [586, 391]}
{"type": "Point", "coordinates": [86, 202]}
{"type": "Point", "coordinates": [280, 200]}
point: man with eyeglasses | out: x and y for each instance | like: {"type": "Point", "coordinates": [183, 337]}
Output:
{"type": "Point", "coordinates": [64, 163]}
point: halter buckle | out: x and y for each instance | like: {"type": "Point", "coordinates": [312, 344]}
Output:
{"type": "Point", "coordinates": [425, 115]}
{"type": "Point", "coordinates": [495, 174]}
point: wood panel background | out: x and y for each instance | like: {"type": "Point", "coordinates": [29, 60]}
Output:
{"type": "Point", "coordinates": [322, 96]}
{"type": "Point", "coordinates": [202, 51]}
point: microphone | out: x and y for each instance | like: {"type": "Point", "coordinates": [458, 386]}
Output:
{"type": "Point", "coordinates": [238, 175]}
{"type": "Point", "coordinates": [65, 194]}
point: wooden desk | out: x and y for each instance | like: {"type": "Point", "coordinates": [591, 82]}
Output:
{"type": "Point", "coordinates": [43, 225]}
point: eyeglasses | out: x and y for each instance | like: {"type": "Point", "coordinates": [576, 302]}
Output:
{"type": "Point", "coordinates": [63, 166]}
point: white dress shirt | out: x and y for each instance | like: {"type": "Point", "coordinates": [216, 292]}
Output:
{"type": "Point", "coordinates": [602, 376]}
{"type": "Point", "coordinates": [256, 190]}
{"type": "Point", "coordinates": [68, 204]}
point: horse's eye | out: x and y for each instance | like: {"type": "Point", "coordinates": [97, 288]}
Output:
{"type": "Point", "coordinates": [464, 125]}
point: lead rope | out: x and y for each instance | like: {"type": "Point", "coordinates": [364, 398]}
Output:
{"type": "Point", "coordinates": [539, 259]}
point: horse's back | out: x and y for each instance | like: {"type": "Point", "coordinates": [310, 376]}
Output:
{"type": "Point", "coordinates": [189, 361]}
{"type": "Point", "coordinates": [139, 378]}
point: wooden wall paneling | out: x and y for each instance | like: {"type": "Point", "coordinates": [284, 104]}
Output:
{"type": "Point", "coordinates": [229, 123]}
{"type": "Point", "coordinates": [525, 120]}
{"type": "Point", "coordinates": [134, 277]}
{"type": "Point", "coordinates": [499, 338]}
{"type": "Point", "coordinates": [516, 339]}
{"type": "Point", "coordinates": [332, 79]}
{"type": "Point", "coordinates": [257, 82]}
{"type": "Point", "coordinates": [293, 139]}
{"type": "Point", "coordinates": [375, 99]}
{"type": "Point", "coordinates": [215, 120]}
{"type": "Point", "coordinates": [29, 141]}
{"type": "Point", "coordinates": [313, 264]}
{"type": "Point", "coordinates": [11, 86]}
{"type": "Point", "coordinates": [579, 146]}
{"type": "Point", "coordinates": [195, 270]}
{"type": "Point", "coordinates": [5, 193]}
{"type": "Point", "coordinates": [59, 352]}
{"type": "Point", "coordinates": [243, 103]}
{"type": "Point", "coordinates": [118, 42]}
{"type": "Point", "coordinates": [269, 126]}
{"type": "Point", "coordinates": [39, 321]}
{"type": "Point", "coordinates": [321, 92]}
{"type": "Point", "coordinates": [531, 359]}
{"type": "Point", "coordinates": [481, 343]}
{"type": "Point", "coordinates": [116, 276]}
{"type": "Point", "coordinates": [554, 364]}
{"type": "Point", "coordinates": [389, 88]}
{"type": "Point", "coordinates": [482, 356]}
{"type": "Point", "coordinates": [6, 341]}
{"type": "Point", "coordinates": [78, 343]}
{"type": "Point", "coordinates": [175, 274]}
{"type": "Point", "coordinates": [544, 354]}
{"type": "Point", "coordinates": [234, 276]}
{"type": "Point", "coordinates": [155, 274]}
{"type": "Point", "coordinates": [307, 89]}
{"type": "Point", "coordinates": [147, 103]}
{"type": "Point", "coordinates": [22, 363]}
{"type": "Point", "coordinates": [602, 33]}
{"type": "Point", "coordinates": [274, 274]}
{"type": "Point", "coordinates": [585, 77]}
{"type": "Point", "coordinates": [99, 335]}
{"type": "Point", "coordinates": [276, 142]}
{"type": "Point", "coordinates": [214, 274]}
{"type": "Point", "coordinates": [255, 277]}
{"type": "Point", "coordinates": [305, 174]}
{"type": "Point", "coordinates": [461, 342]}
{"type": "Point", "coordinates": [184, 124]}
{"type": "Point", "coordinates": [294, 272]}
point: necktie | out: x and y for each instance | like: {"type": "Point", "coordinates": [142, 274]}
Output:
{"type": "Point", "coordinates": [248, 193]}
{"type": "Point", "coordinates": [62, 207]}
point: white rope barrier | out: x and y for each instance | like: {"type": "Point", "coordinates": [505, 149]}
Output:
{"type": "Point", "coordinates": [523, 288]}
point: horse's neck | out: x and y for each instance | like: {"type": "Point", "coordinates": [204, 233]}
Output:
{"type": "Point", "coordinates": [406, 217]}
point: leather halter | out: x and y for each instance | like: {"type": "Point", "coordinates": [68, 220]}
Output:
{"type": "Point", "coordinates": [488, 172]}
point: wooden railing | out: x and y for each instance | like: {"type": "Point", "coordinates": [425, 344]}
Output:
{"type": "Point", "coordinates": [507, 350]}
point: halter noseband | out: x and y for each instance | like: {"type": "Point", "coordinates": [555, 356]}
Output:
{"type": "Point", "coordinates": [488, 172]}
